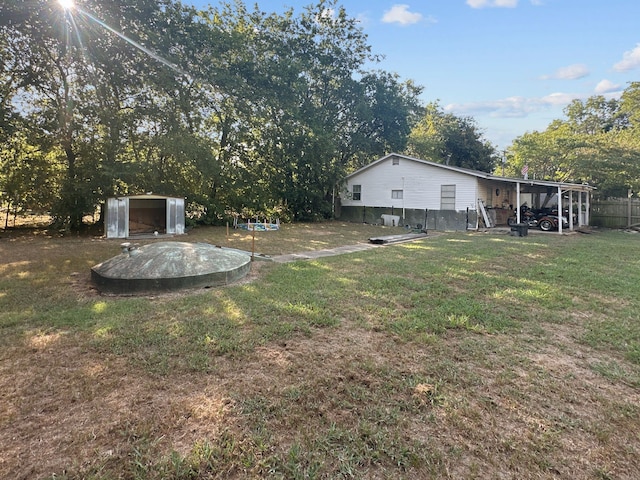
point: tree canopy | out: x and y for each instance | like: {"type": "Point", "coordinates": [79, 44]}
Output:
{"type": "Point", "coordinates": [236, 109]}
{"type": "Point", "coordinates": [452, 140]}
{"type": "Point", "coordinates": [242, 111]}
{"type": "Point", "coordinates": [598, 143]}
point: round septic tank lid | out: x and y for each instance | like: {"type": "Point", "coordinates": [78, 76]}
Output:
{"type": "Point", "coordinates": [165, 266]}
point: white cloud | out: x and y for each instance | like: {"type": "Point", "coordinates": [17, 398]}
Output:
{"type": "Point", "coordinates": [571, 72]}
{"type": "Point", "coordinates": [492, 3]}
{"type": "Point", "coordinates": [326, 14]}
{"type": "Point", "coordinates": [431, 19]}
{"type": "Point", "coordinates": [511, 107]}
{"type": "Point", "coordinates": [514, 107]}
{"type": "Point", "coordinates": [606, 86]}
{"type": "Point", "coordinates": [559, 99]}
{"type": "Point", "coordinates": [401, 14]}
{"type": "Point", "coordinates": [630, 60]}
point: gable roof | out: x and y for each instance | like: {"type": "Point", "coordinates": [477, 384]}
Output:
{"type": "Point", "coordinates": [477, 174]}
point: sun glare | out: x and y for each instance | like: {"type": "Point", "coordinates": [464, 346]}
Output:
{"type": "Point", "coordinates": [66, 4]}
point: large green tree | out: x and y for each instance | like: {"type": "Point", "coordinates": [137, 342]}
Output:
{"type": "Point", "coordinates": [598, 142]}
{"type": "Point", "coordinates": [452, 140]}
{"type": "Point", "coordinates": [235, 109]}
{"type": "Point", "coordinates": [74, 79]}
{"type": "Point", "coordinates": [302, 110]}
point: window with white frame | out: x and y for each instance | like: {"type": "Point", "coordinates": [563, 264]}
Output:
{"type": "Point", "coordinates": [447, 197]}
{"type": "Point", "coordinates": [396, 194]}
{"type": "Point", "coordinates": [357, 192]}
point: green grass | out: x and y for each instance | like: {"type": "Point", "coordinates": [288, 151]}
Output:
{"type": "Point", "coordinates": [460, 355]}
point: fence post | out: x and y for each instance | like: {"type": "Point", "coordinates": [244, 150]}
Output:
{"type": "Point", "coordinates": [629, 194]}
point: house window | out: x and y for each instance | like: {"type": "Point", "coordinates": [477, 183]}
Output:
{"type": "Point", "coordinates": [448, 197]}
{"type": "Point", "coordinates": [395, 161]}
{"type": "Point", "coordinates": [357, 192]}
{"type": "Point", "coordinates": [396, 194]}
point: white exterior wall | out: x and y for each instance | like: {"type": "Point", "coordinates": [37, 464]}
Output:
{"type": "Point", "coordinates": [419, 182]}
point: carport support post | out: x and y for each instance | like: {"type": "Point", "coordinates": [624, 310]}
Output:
{"type": "Point", "coordinates": [518, 202]}
{"type": "Point", "coordinates": [579, 209]}
{"type": "Point", "coordinates": [559, 209]}
{"type": "Point", "coordinates": [570, 210]}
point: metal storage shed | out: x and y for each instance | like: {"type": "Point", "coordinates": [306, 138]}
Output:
{"type": "Point", "coordinates": [144, 215]}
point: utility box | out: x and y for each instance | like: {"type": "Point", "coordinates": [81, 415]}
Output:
{"type": "Point", "coordinates": [144, 215]}
{"type": "Point", "coordinates": [390, 220]}
{"type": "Point", "coordinates": [520, 230]}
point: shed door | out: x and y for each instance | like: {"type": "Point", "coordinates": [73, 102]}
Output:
{"type": "Point", "coordinates": [175, 216]}
{"type": "Point", "coordinates": [117, 218]}
{"type": "Point", "coordinates": [179, 216]}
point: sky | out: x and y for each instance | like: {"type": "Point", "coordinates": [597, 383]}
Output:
{"type": "Point", "coordinates": [512, 65]}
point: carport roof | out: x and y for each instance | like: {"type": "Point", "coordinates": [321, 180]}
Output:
{"type": "Point", "coordinates": [576, 187]}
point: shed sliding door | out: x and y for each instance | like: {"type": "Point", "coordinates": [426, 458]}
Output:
{"type": "Point", "coordinates": [117, 218]}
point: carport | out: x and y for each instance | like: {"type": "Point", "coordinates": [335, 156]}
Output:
{"type": "Point", "coordinates": [574, 197]}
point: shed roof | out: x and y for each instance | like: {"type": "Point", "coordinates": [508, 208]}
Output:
{"type": "Point", "coordinates": [148, 196]}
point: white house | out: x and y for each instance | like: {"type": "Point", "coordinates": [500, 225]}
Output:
{"type": "Point", "coordinates": [416, 192]}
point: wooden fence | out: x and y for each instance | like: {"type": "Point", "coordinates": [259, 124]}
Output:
{"type": "Point", "coordinates": [615, 212]}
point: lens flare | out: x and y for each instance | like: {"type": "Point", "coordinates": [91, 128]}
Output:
{"type": "Point", "coordinates": [67, 4]}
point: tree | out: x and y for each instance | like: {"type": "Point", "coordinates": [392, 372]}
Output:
{"type": "Point", "coordinates": [386, 111]}
{"type": "Point", "coordinates": [595, 115]}
{"type": "Point", "coordinates": [49, 57]}
{"type": "Point", "coordinates": [90, 93]}
{"type": "Point", "coordinates": [313, 110]}
{"type": "Point", "coordinates": [549, 155]}
{"type": "Point", "coordinates": [597, 143]}
{"type": "Point", "coordinates": [29, 176]}
{"type": "Point", "coordinates": [231, 108]}
{"type": "Point", "coordinates": [446, 138]}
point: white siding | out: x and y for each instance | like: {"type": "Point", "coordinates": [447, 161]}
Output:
{"type": "Point", "coordinates": [420, 184]}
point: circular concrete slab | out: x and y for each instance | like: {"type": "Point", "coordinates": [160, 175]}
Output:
{"type": "Point", "coordinates": [165, 266]}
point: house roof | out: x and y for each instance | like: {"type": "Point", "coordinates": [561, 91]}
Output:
{"type": "Point", "coordinates": [479, 174]}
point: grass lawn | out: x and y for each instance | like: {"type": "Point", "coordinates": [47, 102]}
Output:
{"type": "Point", "coordinates": [461, 355]}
